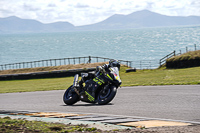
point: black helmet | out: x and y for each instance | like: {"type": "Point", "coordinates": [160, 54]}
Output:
{"type": "Point", "coordinates": [114, 63]}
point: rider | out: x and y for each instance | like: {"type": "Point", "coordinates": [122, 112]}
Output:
{"type": "Point", "coordinates": [105, 68]}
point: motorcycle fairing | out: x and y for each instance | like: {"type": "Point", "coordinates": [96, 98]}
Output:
{"type": "Point", "coordinates": [113, 76]}
{"type": "Point", "coordinates": [98, 80]}
{"type": "Point", "coordinates": [89, 94]}
{"type": "Point", "coordinates": [115, 72]}
{"type": "Point", "coordinates": [86, 97]}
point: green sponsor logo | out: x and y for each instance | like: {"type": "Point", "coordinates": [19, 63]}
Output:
{"type": "Point", "coordinates": [109, 76]}
{"type": "Point", "coordinates": [89, 96]}
{"type": "Point", "coordinates": [99, 81]}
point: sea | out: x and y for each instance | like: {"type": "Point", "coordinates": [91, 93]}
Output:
{"type": "Point", "coordinates": [131, 45]}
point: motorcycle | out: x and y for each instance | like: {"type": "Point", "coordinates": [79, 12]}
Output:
{"type": "Point", "coordinates": [100, 89]}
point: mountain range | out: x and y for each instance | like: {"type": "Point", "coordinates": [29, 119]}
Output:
{"type": "Point", "coordinates": [139, 19]}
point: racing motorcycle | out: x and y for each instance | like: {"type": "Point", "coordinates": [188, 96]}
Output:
{"type": "Point", "coordinates": [100, 89]}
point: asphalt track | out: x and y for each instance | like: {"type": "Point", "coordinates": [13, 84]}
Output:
{"type": "Point", "coordinates": [177, 102]}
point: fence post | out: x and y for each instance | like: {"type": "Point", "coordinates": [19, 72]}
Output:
{"type": "Point", "coordinates": [149, 64]}
{"type": "Point", "coordinates": [60, 62]}
{"type": "Point", "coordinates": [42, 63]}
{"type": "Point", "coordinates": [64, 62]}
{"type": "Point", "coordinates": [34, 64]}
{"type": "Point", "coordinates": [69, 61]}
{"type": "Point", "coordinates": [38, 63]}
{"type": "Point", "coordinates": [55, 62]}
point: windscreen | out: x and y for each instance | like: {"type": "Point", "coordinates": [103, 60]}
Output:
{"type": "Point", "coordinates": [115, 72]}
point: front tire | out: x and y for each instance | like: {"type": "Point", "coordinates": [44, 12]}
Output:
{"type": "Point", "coordinates": [105, 96]}
{"type": "Point", "coordinates": [70, 97]}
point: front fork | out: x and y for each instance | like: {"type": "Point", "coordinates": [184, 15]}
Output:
{"type": "Point", "coordinates": [76, 84]}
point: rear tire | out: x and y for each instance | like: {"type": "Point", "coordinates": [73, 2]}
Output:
{"type": "Point", "coordinates": [107, 96]}
{"type": "Point", "coordinates": [70, 97]}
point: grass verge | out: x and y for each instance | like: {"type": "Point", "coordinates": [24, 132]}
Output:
{"type": "Point", "coordinates": [8, 125]}
{"type": "Point", "coordinates": [186, 76]}
{"type": "Point", "coordinates": [163, 76]}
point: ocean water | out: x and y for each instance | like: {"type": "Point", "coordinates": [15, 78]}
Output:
{"type": "Point", "coordinates": [132, 45]}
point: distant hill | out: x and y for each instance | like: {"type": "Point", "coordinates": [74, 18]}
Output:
{"type": "Point", "coordinates": [139, 19]}
{"type": "Point", "coordinates": [17, 25]}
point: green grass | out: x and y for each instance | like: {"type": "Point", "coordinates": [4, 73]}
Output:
{"type": "Point", "coordinates": [186, 76]}
{"type": "Point", "coordinates": [162, 77]}
{"type": "Point", "coordinates": [35, 85]}
{"type": "Point", "coordinates": [8, 125]}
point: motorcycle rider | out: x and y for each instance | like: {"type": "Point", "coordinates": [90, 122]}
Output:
{"type": "Point", "coordinates": [100, 86]}
{"type": "Point", "coordinates": [104, 68]}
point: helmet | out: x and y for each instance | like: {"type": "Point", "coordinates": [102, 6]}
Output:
{"type": "Point", "coordinates": [114, 63]}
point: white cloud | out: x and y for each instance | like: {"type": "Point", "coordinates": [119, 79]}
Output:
{"type": "Point", "coordinates": [82, 12]}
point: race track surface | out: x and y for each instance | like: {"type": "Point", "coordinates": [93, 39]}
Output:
{"type": "Point", "coordinates": [178, 102]}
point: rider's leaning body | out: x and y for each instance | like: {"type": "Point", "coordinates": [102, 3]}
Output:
{"type": "Point", "coordinates": [105, 68]}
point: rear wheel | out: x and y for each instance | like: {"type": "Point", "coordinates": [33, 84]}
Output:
{"type": "Point", "coordinates": [70, 96]}
{"type": "Point", "coordinates": [106, 95]}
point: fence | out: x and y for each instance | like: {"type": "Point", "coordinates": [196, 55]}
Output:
{"type": "Point", "coordinates": [163, 60]}
{"type": "Point", "coordinates": [174, 53]}
{"type": "Point", "coordinates": [145, 64]}
{"type": "Point", "coordinates": [189, 48]}
{"type": "Point", "coordinates": [59, 62]}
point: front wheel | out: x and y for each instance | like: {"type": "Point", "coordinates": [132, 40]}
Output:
{"type": "Point", "coordinates": [70, 96]}
{"type": "Point", "coordinates": [106, 95]}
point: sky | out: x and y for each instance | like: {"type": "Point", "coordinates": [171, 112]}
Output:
{"type": "Point", "coordinates": [84, 12]}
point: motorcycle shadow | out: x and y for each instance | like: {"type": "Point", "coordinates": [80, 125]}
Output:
{"type": "Point", "coordinates": [88, 104]}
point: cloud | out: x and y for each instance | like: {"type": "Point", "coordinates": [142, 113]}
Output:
{"type": "Point", "coordinates": [31, 8]}
{"type": "Point", "coordinates": [82, 12]}
{"type": "Point", "coordinates": [81, 6]}
{"type": "Point", "coordinates": [5, 11]}
{"type": "Point", "coordinates": [51, 5]}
